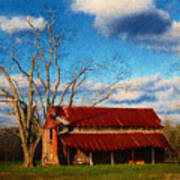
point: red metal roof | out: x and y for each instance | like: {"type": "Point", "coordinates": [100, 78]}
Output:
{"type": "Point", "coordinates": [113, 142]}
{"type": "Point", "coordinates": [109, 117]}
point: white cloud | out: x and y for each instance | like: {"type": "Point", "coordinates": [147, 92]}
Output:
{"type": "Point", "coordinates": [92, 86]}
{"type": "Point", "coordinates": [170, 36]}
{"type": "Point", "coordinates": [173, 82]}
{"type": "Point", "coordinates": [166, 94]}
{"type": "Point", "coordinates": [169, 41]}
{"type": "Point", "coordinates": [106, 8]}
{"type": "Point", "coordinates": [173, 33]}
{"type": "Point", "coordinates": [123, 95]}
{"type": "Point", "coordinates": [21, 80]}
{"type": "Point", "coordinates": [106, 13]}
{"type": "Point", "coordinates": [165, 48]}
{"type": "Point", "coordinates": [18, 23]}
{"type": "Point", "coordinates": [18, 40]}
{"type": "Point", "coordinates": [174, 118]}
{"type": "Point", "coordinates": [143, 82]}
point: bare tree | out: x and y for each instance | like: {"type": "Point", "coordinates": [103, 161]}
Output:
{"type": "Point", "coordinates": [26, 117]}
{"type": "Point", "coordinates": [43, 90]}
{"type": "Point", "coordinates": [172, 132]}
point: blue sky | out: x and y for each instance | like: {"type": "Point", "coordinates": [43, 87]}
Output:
{"type": "Point", "coordinates": [145, 34]}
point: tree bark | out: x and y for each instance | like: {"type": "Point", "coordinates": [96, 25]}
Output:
{"type": "Point", "coordinates": [28, 159]}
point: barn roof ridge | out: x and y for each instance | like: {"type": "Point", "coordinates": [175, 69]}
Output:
{"type": "Point", "coordinates": [105, 107]}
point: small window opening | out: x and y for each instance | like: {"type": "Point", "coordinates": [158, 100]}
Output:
{"type": "Point", "coordinates": [51, 134]}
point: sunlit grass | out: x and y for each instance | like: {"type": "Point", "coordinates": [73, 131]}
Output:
{"type": "Point", "coordinates": [14, 170]}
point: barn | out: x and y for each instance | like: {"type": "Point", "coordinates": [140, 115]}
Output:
{"type": "Point", "coordinates": [99, 135]}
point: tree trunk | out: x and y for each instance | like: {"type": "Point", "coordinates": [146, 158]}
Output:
{"type": "Point", "coordinates": [28, 159]}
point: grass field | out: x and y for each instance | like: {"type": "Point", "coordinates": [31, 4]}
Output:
{"type": "Point", "coordinates": [14, 171]}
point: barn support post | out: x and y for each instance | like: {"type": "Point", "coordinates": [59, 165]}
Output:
{"type": "Point", "coordinates": [170, 154]}
{"type": "Point", "coordinates": [133, 155]}
{"type": "Point", "coordinates": [153, 155]}
{"type": "Point", "coordinates": [112, 158]}
{"type": "Point", "coordinates": [68, 155]}
{"type": "Point", "coordinates": [91, 159]}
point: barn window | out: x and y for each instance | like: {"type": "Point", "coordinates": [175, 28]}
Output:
{"type": "Point", "coordinates": [51, 134]}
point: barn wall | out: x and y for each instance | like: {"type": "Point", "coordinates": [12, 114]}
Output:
{"type": "Point", "coordinates": [50, 147]}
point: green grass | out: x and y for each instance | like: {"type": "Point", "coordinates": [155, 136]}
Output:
{"type": "Point", "coordinates": [14, 171]}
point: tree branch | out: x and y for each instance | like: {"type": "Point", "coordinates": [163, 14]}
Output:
{"type": "Point", "coordinates": [75, 86]}
{"type": "Point", "coordinates": [29, 110]}
{"type": "Point", "coordinates": [17, 106]}
{"type": "Point", "coordinates": [44, 63]}
{"type": "Point", "coordinates": [38, 76]}
{"type": "Point", "coordinates": [34, 84]}
{"type": "Point", "coordinates": [58, 71]}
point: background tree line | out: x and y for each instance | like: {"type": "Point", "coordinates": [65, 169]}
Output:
{"type": "Point", "coordinates": [172, 132]}
{"type": "Point", "coordinates": [10, 145]}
